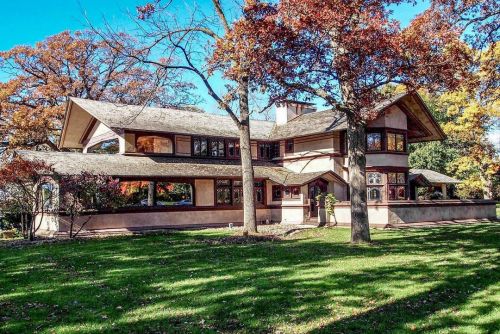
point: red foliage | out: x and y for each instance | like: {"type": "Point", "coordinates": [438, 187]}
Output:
{"type": "Point", "coordinates": [342, 51]}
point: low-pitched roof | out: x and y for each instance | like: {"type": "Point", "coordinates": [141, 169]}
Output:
{"type": "Point", "coordinates": [139, 118]}
{"type": "Point", "coordinates": [69, 163]}
{"type": "Point", "coordinates": [124, 116]}
{"type": "Point", "coordinates": [432, 176]}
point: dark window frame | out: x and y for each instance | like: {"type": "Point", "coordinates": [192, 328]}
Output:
{"type": "Point", "coordinates": [271, 150]}
{"type": "Point", "coordinates": [138, 135]}
{"type": "Point", "coordinates": [289, 146]}
{"type": "Point", "coordinates": [396, 186]}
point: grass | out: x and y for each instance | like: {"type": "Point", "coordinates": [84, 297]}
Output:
{"type": "Point", "coordinates": [440, 280]}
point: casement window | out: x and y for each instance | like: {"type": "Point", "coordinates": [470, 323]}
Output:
{"type": "Point", "coordinates": [223, 192]}
{"type": "Point", "coordinates": [237, 192]}
{"type": "Point", "coordinates": [48, 196]}
{"type": "Point", "coordinates": [154, 144]}
{"type": "Point", "coordinates": [280, 192]}
{"type": "Point", "coordinates": [110, 146]}
{"type": "Point", "coordinates": [395, 142]}
{"type": "Point", "coordinates": [374, 186]}
{"type": "Point", "coordinates": [259, 192]}
{"type": "Point", "coordinates": [164, 193]}
{"type": "Point", "coordinates": [209, 147]}
{"type": "Point", "coordinates": [374, 141]}
{"type": "Point", "coordinates": [200, 147]}
{"type": "Point", "coordinates": [268, 151]}
{"type": "Point", "coordinates": [343, 142]}
{"type": "Point", "coordinates": [289, 147]}
{"type": "Point", "coordinates": [397, 186]}
{"type": "Point", "coordinates": [233, 148]}
{"type": "Point", "coordinates": [217, 148]}
{"type": "Point", "coordinates": [230, 192]}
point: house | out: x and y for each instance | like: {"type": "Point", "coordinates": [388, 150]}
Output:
{"type": "Point", "coordinates": [181, 168]}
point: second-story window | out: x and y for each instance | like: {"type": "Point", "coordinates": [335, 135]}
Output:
{"type": "Point", "coordinates": [268, 151]}
{"type": "Point", "coordinates": [374, 141]}
{"type": "Point", "coordinates": [233, 148]}
{"type": "Point", "coordinates": [155, 144]}
{"type": "Point", "coordinates": [395, 142]}
{"type": "Point", "coordinates": [217, 148]}
{"type": "Point", "coordinates": [200, 147]}
{"type": "Point", "coordinates": [289, 146]}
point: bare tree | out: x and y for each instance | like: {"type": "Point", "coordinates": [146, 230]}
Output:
{"type": "Point", "coordinates": [172, 44]}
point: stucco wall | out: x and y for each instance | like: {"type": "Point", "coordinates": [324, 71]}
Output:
{"type": "Point", "coordinates": [377, 215]}
{"type": "Point", "coordinates": [137, 220]}
{"type": "Point", "coordinates": [204, 192]}
{"type": "Point", "coordinates": [392, 160]}
{"type": "Point", "coordinates": [316, 164]}
{"type": "Point", "coordinates": [393, 118]}
{"type": "Point", "coordinates": [48, 223]}
{"type": "Point", "coordinates": [100, 133]}
{"type": "Point", "coordinates": [441, 211]}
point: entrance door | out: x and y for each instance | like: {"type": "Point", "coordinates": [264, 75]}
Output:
{"type": "Point", "coordinates": [315, 188]}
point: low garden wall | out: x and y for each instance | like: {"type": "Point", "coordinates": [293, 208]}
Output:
{"type": "Point", "coordinates": [159, 219]}
{"type": "Point", "coordinates": [401, 212]}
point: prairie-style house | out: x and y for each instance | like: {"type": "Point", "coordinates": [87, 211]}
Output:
{"type": "Point", "coordinates": [181, 168]}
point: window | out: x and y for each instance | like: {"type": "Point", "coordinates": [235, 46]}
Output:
{"type": "Point", "coordinates": [135, 192]}
{"type": "Point", "coordinates": [268, 151]}
{"type": "Point", "coordinates": [397, 186]}
{"type": "Point", "coordinates": [223, 192]}
{"type": "Point", "coordinates": [154, 144]}
{"type": "Point", "coordinates": [374, 193]}
{"type": "Point", "coordinates": [237, 192]}
{"type": "Point", "coordinates": [176, 194]}
{"type": "Point", "coordinates": [277, 193]}
{"type": "Point", "coordinates": [217, 148]}
{"type": "Point", "coordinates": [280, 192]}
{"type": "Point", "coordinates": [233, 149]}
{"type": "Point", "coordinates": [374, 178]}
{"type": "Point", "coordinates": [110, 146]}
{"type": "Point", "coordinates": [395, 142]}
{"type": "Point", "coordinates": [374, 189]}
{"type": "Point", "coordinates": [374, 141]}
{"type": "Point", "coordinates": [343, 142]}
{"type": "Point", "coordinates": [200, 147]}
{"type": "Point", "coordinates": [259, 192]}
{"type": "Point", "coordinates": [48, 196]}
{"type": "Point", "coordinates": [289, 148]}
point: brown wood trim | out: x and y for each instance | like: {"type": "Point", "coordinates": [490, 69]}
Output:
{"type": "Point", "coordinates": [307, 157]}
{"type": "Point", "coordinates": [412, 116]}
{"type": "Point", "coordinates": [385, 169]}
{"type": "Point", "coordinates": [88, 129]}
{"type": "Point", "coordinates": [429, 114]}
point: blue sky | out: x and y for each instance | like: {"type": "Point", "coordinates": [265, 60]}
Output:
{"type": "Point", "coordinates": [29, 21]}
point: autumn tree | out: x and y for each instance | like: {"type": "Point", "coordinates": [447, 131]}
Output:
{"type": "Point", "coordinates": [467, 153]}
{"type": "Point", "coordinates": [76, 64]}
{"type": "Point", "coordinates": [26, 188]}
{"type": "Point", "coordinates": [344, 52]}
{"type": "Point", "coordinates": [84, 194]}
{"type": "Point", "coordinates": [189, 42]}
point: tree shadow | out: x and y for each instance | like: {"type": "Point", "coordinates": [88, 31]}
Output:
{"type": "Point", "coordinates": [179, 283]}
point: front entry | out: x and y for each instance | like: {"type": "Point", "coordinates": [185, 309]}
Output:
{"type": "Point", "coordinates": [315, 188]}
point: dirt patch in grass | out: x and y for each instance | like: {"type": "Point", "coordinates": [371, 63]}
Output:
{"type": "Point", "coordinates": [241, 239]}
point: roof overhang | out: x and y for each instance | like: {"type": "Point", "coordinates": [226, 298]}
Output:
{"type": "Point", "coordinates": [422, 126]}
{"type": "Point", "coordinates": [77, 123]}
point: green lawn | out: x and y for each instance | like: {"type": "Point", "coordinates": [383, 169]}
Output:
{"type": "Point", "coordinates": [441, 280]}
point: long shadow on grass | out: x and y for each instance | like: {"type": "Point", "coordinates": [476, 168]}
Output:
{"type": "Point", "coordinates": [180, 283]}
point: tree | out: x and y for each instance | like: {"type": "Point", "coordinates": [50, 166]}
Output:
{"type": "Point", "coordinates": [26, 188]}
{"type": "Point", "coordinates": [76, 64]}
{"type": "Point", "coordinates": [86, 193]}
{"type": "Point", "coordinates": [466, 118]}
{"type": "Point", "coordinates": [171, 43]}
{"type": "Point", "coordinates": [344, 53]}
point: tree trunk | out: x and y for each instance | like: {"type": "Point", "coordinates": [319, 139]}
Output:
{"type": "Point", "coordinates": [249, 213]}
{"type": "Point", "coordinates": [31, 227]}
{"type": "Point", "coordinates": [151, 193]}
{"type": "Point", "coordinates": [360, 229]}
